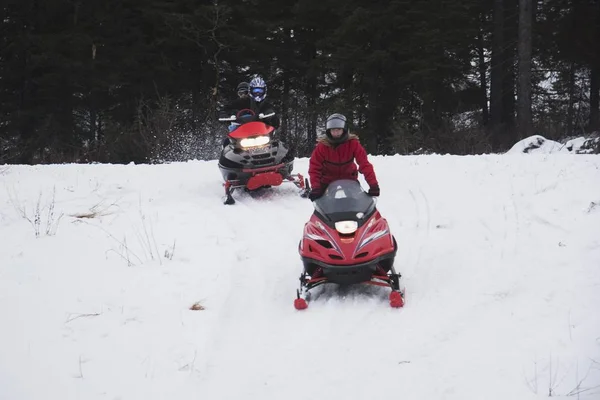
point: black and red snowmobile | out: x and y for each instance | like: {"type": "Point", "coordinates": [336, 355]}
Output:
{"type": "Point", "coordinates": [254, 159]}
{"type": "Point", "coordinates": [347, 242]}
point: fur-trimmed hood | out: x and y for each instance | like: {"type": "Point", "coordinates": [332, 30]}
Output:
{"type": "Point", "coordinates": [325, 140]}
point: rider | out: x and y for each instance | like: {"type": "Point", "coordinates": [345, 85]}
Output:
{"type": "Point", "coordinates": [253, 99]}
{"type": "Point", "coordinates": [242, 92]}
{"type": "Point", "coordinates": [333, 158]}
{"type": "Point", "coordinates": [242, 89]}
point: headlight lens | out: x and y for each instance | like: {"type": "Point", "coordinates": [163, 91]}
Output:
{"type": "Point", "coordinates": [346, 227]}
{"type": "Point", "coordinates": [254, 142]}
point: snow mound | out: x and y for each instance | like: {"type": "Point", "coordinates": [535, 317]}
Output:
{"type": "Point", "coordinates": [538, 144]}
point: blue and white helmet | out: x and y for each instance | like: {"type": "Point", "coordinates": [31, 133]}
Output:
{"type": "Point", "coordinates": [258, 88]}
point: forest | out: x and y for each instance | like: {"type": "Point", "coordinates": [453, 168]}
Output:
{"type": "Point", "coordinates": [142, 80]}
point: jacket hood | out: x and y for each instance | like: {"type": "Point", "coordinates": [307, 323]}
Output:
{"type": "Point", "coordinates": [326, 140]}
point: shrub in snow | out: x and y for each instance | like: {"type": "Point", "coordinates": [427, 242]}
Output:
{"type": "Point", "coordinates": [42, 219]}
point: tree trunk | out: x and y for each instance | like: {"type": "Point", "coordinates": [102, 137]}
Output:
{"type": "Point", "coordinates": [285, 94]}
{"type": "Point", "coordinates": [311, 94]}
{"type": "Point", "coordinates": [497, 73]}
{"type": "Point", "coordinates": [285, 105]}
{"type": "Point", "coordinates": [525, 119]}
{"type": "Point", "coordinates": [595, 81]}
{"type": "Point", "coordinates": [92, 103]}
{"type": "Point", "coordinates": [482, 73]}
{"type": "Point", "coordinates": [571, 100]}
{"type": "Point", "coordinates": [595, 99]}
{"type": "Point", "coordinates": [28, 94]}
{"type": "Point", "coordinates": [508, 68]}
{"type": "Point", "coordinates": [346, 83]}
{"type": "Point", "coordinates": [311, 97]}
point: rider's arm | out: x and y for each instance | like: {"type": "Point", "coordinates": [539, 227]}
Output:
{"type": "Point", "coordinates": [266, 109]}
{"type": "Point", "coordinates": [273, 121]}
{"type": "Point", "coordinates": [364, 166]}
{"type": "Point", "coordinates": [315, 167]}
{"type": "Point", "coordinates": [227, 111]}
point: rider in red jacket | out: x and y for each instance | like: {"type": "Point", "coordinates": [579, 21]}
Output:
{"type": "Point", "coordinates": [333, 158]}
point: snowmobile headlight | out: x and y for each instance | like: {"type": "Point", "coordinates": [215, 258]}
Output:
{"type": "Point", "coordinates": [346, 227]}
{"type": "Point", "coordinates": [255, 141]}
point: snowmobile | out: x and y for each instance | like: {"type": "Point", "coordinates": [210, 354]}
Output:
{"type": "Point", "coordinates": [346, 242]}
{"type": "Point", "coordinates": [253, 159]}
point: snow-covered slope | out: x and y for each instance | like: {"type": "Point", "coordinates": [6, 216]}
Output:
{"type": "Point", "coordinates": [500, 256]}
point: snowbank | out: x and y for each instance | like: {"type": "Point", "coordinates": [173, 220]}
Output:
{"type": "Point", "coordinates": [540, 145]}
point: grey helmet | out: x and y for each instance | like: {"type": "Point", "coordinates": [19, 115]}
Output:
{"type": "Point", "coordinates": [336, 121]}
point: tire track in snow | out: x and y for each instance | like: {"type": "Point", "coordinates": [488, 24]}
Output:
{"type": "Point", "coordinates": [421, 217]}
{"type": "Point", "coordinates": [416, 204]}
{"type": "Point", "coordinates": [543, 221]}
{"type": "Point", "coordinates": [250, 275]}
{"type": "Point", "coordinates": [512, 225]}
{"type": "Point", "coordinates": [517, 223]}
{"type": "Point", "coordinates": [505, 236]}
{"type": "Point", "coordinates": [416, 229]}
{"type": "Point", "coordinates": [237, 276]}
{"type": "Point", "coordinates": [428, 213]}
{"type": "Point", "coordinates": [221, 305]}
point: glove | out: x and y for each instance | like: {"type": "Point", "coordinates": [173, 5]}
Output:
{"type": "Point", "coordinates": [373, 191]}
{"type": "Point", "coordinates": [315, 194]}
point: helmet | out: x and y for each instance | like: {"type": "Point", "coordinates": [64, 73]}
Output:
{"type": "Point", "coordinates": [258, 88]}
{"type": "Point", "coordinates": [336, 121]}
{"type": "Point", "coordinates": [242, 89]}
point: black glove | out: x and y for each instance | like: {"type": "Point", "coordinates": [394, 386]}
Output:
{"type": "Point", "coordinates": [373, 191]}
{"type": "Point", "coordinates": [315, 194]}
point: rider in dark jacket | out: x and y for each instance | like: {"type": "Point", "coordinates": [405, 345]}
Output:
{"type": "Point", "coordinates": [253, 99]}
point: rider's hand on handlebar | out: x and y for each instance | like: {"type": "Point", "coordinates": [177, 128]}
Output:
{"type": "Point", "coordinates": [315, 194]}
{"type": "Point", "coordinates": [374, 191]}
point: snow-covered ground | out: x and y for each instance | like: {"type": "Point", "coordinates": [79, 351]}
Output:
{"type": "Point", "coordinates": [500, 257]}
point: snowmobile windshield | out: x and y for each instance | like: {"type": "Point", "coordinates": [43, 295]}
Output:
{"type": "Point", "coordinates": [345, 200]}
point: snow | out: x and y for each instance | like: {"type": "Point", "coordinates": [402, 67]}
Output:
{"type": "Point", "coordinates": [538, 144]}
{"type": "Point", "coordinates": [500, 256]}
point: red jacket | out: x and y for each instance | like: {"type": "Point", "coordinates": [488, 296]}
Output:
{"type": "Point", "coordinates": [329, 163]}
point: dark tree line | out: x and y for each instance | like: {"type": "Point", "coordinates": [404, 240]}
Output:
{"type": "Point", "coordinates": [132, 80]}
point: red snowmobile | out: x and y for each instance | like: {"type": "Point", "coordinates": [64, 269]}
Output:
{"type": "Point", "coordinates": [254, 159]}
{"type": "Point", "coordinates": [347, 241]}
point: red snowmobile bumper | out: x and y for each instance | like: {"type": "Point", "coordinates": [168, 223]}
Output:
{"type": "Point", "coordinates": [264, 179]}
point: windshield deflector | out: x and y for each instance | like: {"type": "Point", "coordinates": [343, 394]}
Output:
{"type": "Point", "coordinates": [345, 200]}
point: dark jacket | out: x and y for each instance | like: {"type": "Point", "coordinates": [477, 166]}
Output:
{"type": "Point", "coordinates": [264, 107]}
{"type": "Point", "coordinates": [330, 162]}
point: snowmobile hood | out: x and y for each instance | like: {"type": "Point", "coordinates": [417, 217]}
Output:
{"type": "Point", "coordinates": [346, 227]}
{"type": "Point", "coordinates": [251, 129]}
{"type": "Point", "coordinates": [346, 244]}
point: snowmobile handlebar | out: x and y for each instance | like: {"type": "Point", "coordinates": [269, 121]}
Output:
{"type": "Point", "coordinates": [263, 116]}
{"type": "Point", "coordinates": [308, 190]}
{"type": "Point", "coordinates": [235, 118]}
